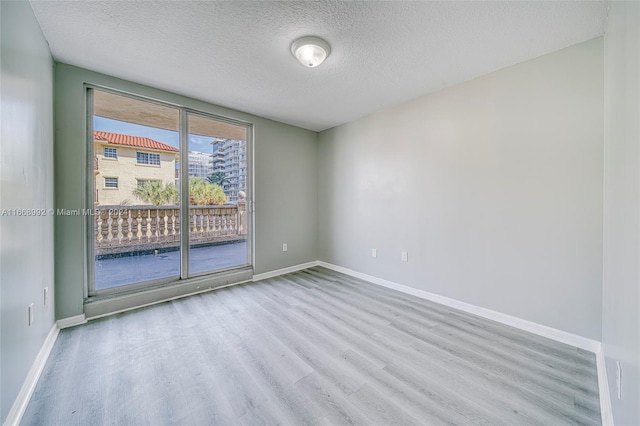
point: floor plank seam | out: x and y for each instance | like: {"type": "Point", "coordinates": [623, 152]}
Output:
{"type": "Point", "coordinates": [313, 346]}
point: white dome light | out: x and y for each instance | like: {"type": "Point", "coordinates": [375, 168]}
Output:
{"type": "Point", "coordinates": [310, 51]}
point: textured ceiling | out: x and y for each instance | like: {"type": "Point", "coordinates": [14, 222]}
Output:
{"type": "Point", "coordinates": [236, 53]}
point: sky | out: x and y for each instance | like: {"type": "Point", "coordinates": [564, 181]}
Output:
{"type": "Point", "coordinates": [196, 143]}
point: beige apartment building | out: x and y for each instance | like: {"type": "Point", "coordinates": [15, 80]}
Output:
{"type": "Point", "coordinates": [122, 162]}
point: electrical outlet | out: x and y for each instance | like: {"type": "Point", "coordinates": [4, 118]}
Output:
{"type": "Point", "coordinates": [30, 310]}
{"type": "Point", "coordinates": [374, 253]}
{"type": "Point", "coordinates": [45, 297]}
{"type": "Point", "coordinates": [619, 379]}
{"type": "Point", "coordinates": [404, 256]}
{"type": "Point", "coordinates": [284, 247]}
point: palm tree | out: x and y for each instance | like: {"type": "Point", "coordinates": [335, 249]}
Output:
{"type": "Point", "coordinates": [205, 193]}
{"type": "Point", "coordinates": [218, 178]}
{"type": "Point", "coordinates": [171, 193]}
{"type": "Point", "coordinates": [154, 193]}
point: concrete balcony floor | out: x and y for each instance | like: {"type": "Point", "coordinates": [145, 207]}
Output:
{"type": "Point", "coordinates": [123, 270]}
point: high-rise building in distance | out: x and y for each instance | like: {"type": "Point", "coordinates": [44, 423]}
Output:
{"type": "Point", "coordinates": [200, 165]}
{"type": "Point", "coordinates": [230, 157]}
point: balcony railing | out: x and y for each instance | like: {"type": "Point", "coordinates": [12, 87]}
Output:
{"type": "Point", "coordinates": [121, 229]}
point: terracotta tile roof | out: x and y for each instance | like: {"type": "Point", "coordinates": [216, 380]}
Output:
{"type": "Point", "coordinates": [128, 140]}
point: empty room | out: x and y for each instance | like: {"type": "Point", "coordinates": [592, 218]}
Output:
{"type": "Point", "coordinates": [320, 212]}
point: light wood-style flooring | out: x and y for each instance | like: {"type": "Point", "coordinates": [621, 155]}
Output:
{"type": "Point", "coordinates": [311, 347]}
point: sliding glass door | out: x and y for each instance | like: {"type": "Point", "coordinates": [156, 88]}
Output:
{"type": "Point", "coordinates": [169, 193]}
{"type": "Point", "coordinates": [217, 195]}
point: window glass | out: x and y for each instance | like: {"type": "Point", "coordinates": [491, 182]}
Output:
{"type": "Point", "coordinates": [142, 182]}
{"type": "Point", "coordinates": [148, 158]}
{"type": "Point", "coordinates": [110, 182]}
{"type": "Point", "coordinates": [137, 226]}
{"type": "Point", "coordinates": [139, 221]}
{"type": "Point", "coordinates": [110, 153]}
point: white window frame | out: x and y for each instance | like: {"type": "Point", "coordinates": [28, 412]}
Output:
{"type": "Point", "coordinates": [110, 149]}
{"type": "Point", "coordinates": [141, 182]}
{"type": "Point", "coordinates": [148, 156]}
{"type": "Point", "coordinates": [111, 187]}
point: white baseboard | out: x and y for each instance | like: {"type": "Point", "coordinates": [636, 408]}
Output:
{"type": "Point", "coordinates": [603, 386]}
{"type": "Point", "coordinates": [283, 271]}
{"type": "Point", "coordinates": [17, 410]}
{"type": "Point", "coordinates": [22, 400]}
{"type": "Point", "coordinates": [522, 324]}
{"type": "Point", "coordinates": [71, 321]}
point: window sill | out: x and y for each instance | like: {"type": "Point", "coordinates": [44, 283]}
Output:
{"type": "Point", "coordinates": [101, 305]}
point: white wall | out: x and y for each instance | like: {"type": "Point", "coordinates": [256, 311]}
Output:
{"type": "Point", "coordinates": [26, 182]}
{"type": "Point", "coordinates": [621, 286]}
{"type": "Point", "coordinates": [494, 187]}
{"type": "Point", "coordinates": [285, 189]}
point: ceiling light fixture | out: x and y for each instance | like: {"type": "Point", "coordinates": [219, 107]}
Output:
{"type": "Point", "coordinates": [310, 51]}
